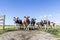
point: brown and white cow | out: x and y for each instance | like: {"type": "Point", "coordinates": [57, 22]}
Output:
{"type": "Point", "coordinates": [26, 22]}
{"type": "Point", "coordinates": [52, 24]}
{"type": "Point", "coordinates": [38, 24]}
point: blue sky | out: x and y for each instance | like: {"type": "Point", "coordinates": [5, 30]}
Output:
{"type": "Point", "coordinates": [33, 8]}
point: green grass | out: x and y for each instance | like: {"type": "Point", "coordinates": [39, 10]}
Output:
{"type": "Point", "coordinates": [55, 31]}
{"type": "Point", "coordinates": [7, 29]}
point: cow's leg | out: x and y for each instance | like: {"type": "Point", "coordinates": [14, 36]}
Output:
{"type": "Point", "coordinates": [16, 26]}
{"type": "Point", "coordinates": [52, 26]}
{"type": "Point", "coordinates": [24, 26]}
{"type": "Point", "coordinates": [28, 27]}
{"type": "Point", "coordinates": [20, 26]}
{"type": "Point", "coordinates": [45, 26]}
{"type": "Point", "coordinates": [33, 25]}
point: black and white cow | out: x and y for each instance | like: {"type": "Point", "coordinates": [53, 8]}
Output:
{"type": "Point", "coordinates": [18, 22]}
{"type": "Point", "coordinates": [33, 22]}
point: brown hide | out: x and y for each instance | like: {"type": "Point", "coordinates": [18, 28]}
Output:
{"type": "Point", "coordinates": [38, 23]}
{"type": "Point", "coordinates": [26, 21]}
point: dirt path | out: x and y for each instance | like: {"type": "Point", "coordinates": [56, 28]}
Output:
{"type": "Point", "coordinates": [27, 35]}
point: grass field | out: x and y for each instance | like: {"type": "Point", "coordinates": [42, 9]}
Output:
{"type": "Point", "coordinates": [54, 31]}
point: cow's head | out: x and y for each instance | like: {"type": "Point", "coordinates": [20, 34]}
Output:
{"type": "Point", "coordinates": [16, 17]}
{"type": "Point", "coordinates": [27, 17]}
{"type": "Point", "coordinates": [33, 18]}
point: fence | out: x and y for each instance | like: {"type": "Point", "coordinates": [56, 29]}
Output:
{"type": "Point", "coordinates": [2, 21]}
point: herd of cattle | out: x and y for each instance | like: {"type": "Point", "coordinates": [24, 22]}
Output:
{"type": "Point", "coordinates": [32, 22]}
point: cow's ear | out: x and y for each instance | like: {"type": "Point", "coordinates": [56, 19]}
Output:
{"type": "Point", "coordinates": [28, 16]}
{"type": "Point", "coordinates": [35, 18]}
{"type": "Point", "coordinates": [24, 16]}
{"type": "Point", "coordinates": [14, 17]}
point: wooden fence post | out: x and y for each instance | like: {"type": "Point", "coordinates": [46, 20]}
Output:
{"type": "Point", "coordinates": [2, 21]}
{"type": "Point", "coordinates": [3, 25]}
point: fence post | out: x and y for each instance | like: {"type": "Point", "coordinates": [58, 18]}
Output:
{"type": "Point", "coordinates": [3, 22]}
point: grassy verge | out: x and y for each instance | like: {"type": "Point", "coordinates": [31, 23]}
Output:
{"type": "Point", "coordinates": [11, 28]}
{"type": "Point", "coordinates": [54, 31]}
{"type": "Point", "coordinates": [7, 29]}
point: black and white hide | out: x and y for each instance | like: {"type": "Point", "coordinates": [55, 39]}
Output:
{"type": "Point", "coordinates": [33, 22]}
{"type": "Point", "coordinates": [18, 22]}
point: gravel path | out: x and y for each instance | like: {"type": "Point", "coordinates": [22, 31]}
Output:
{"type": "Point", "coordinates": [27, 35]}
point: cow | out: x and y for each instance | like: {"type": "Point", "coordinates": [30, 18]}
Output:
{"type": "Point", "coordinates": [33, 22]}
{"type": "Point", "coordinates": [46, 24]}
{"type": "Point", "coordinates": [52, 24]}
{"type": "Point", "coordinates": [38, 24]}
{"type": "Point", "coordinates": [26, 22]}
{"type": "Point", "coordinates": [42, 23]}
{"type": "Point", "coordinates": [18, 22]}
